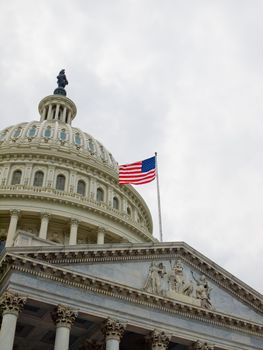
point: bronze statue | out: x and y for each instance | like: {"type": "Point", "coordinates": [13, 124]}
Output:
{"type": "Point", "coordinates": [62, 79]}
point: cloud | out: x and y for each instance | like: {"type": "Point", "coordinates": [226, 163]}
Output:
{"type": "Point", "coordinates": [180, 78]}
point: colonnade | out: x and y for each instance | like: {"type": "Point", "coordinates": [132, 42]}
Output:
{"type": "Point", "coordinates": [64, 317]}
{"type": "Point", "coordinates": [43, 232]}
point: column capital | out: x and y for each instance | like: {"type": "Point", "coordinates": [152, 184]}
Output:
{"type": "Point", "coordinates": [159, 340]}
{"type": "Point", "coordinates": [15, 212]}
{"type": "Point", "coordinates": [45, 215]}
{"type": "Point", "coordinates": [198, 345]}
{"type": "Point", "coordinates": [101, 229]}
{"type": "Point", "coordinates": [64, 316]}
{"type": "Point", "coordinates": [12, 303]}
{"type": "Point", "coordinates": [74, 221]}
{"type": "Point", "coordinates": [113, 329]}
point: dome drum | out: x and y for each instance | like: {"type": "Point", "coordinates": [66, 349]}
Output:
{"type": "Point", "coordinates": [48, 166]}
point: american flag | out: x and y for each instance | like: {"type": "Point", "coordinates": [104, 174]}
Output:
{"type": "Point", "coordinates": [138, 173]}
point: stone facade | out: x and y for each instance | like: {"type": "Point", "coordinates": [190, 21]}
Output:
{"type": "Point", "coordinates": [80, 271]}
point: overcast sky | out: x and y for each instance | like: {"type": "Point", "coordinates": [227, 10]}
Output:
{"type": "Point", "coordinates": [183, 78]}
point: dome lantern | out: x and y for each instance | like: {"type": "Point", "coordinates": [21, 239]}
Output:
{"type": "Point", "coordinates": [58, 106]}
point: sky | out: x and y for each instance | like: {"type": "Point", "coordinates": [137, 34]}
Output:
{"type": "Point", "coordinates": [181, 78]}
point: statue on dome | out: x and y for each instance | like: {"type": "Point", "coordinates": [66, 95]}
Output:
{"type": "Point", "coordinates": [62, 79]}
{"type": "Point", "coordinates": [62, 82]}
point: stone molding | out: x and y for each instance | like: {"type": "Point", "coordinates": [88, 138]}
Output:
{"type": "Point", "coordinates": [157, 251]}
{"type": "Point", "coordinates": [12, 303]}
{"type": "Point", "coordinates": [64, 316]}
{"type": "Point", "coordinates": [198, 345]}
{"type": "Point", "coordinates": [159, 340]}
{"type": "Point", "coordinates": [75, 200]}
{"type": "Point", "coordinates": [113, 329]}
{"type": "Point", "coordinates": [115, 290]}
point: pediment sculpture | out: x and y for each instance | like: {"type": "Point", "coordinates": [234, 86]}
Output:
{"type": "Point", "coordinates": [173, 283]}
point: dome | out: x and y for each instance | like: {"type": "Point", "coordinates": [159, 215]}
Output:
{"type": "Point", "coordinates": [58, 135]}
{"type": "Point", "coordinates": [60, 185]}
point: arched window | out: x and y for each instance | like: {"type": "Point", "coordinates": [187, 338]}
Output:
{"type": "Point", "coordinates": [32, 131]}
{"type": "Point", "coordinates": [38, 179]}
{"type": "Point", "coordinates": [81, 189]}
{"type": "Point", "coordinates": [115, 203]}
{"type": "Point", "coordinates": [16, 179]}
{"type": "Point", "coordinates": [47, 132]}
{"type": "Point", "coordinates": [100, 195]}
{"type": "Point", "coordinates": [128, 210]}
{"type": "Point", "coordinates": [60, 184]}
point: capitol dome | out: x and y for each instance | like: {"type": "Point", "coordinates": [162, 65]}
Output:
{"type": "Point", "coordinates": [60, 185]}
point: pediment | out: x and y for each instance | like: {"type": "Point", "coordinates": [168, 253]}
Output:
{"type": "Point", "coordinates": [170, 276]}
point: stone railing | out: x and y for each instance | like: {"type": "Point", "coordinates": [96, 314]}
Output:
{"type": "Point", "coordinates": [53, 193]}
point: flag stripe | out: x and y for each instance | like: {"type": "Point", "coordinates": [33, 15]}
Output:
{"type": "Point", "coordinates": [137, 173]}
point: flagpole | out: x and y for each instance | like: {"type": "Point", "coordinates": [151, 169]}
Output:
{"type": "Point", "coordinates": [159, 200]}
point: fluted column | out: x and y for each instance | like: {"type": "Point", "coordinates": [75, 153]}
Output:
{"type": "Point", "coordinates": [113, 332]}
{"type": "Point", "coordinates": [101, 235]}
{"type": "Point", "coordinates": [44, 225]}
{"type": "Point", "coordinates": [63, 318]}
{"type": "Point", "coordinates": [159, 340]}
{"type": "Point", "coordinates": [11, 304]}
{"type": "Point", "coordinates": [12, 227]}
{"type": "Point", "coordinates": [73, 231]}
{"type": "Point", "coordinates": [198, 345]}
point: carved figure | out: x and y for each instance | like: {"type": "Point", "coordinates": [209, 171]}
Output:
{"type": "Point", "coordinates": [203, 291]}
{"type": "Point", "coordinates": [178, 282]}
{"type": "Point", "coordinates": [62, 79]}
{"type": "Point", "coordinates": [153, 283]}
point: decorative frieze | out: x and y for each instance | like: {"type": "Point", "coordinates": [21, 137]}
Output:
{"type": "Point", "coordinates": [58, 274]}
{"type": "Point", "coordinates": [64, 316]}
{"type": "Point", "coordinates": [159, 340]}
{"type": "Point", "coordinates": [113, 329]}
{"type": "Point", "coordinates": [173, 283]}
{"type": "Point", "coordinates": [12, 302]}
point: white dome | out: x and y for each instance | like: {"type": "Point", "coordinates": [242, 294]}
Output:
{"type": "Point", "coordinates": [50, 168]}
{"type": "Point", "coordinates": [59, 135]}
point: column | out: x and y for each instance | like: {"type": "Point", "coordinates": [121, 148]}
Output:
{"type": "Point", "coordinates": [73, 232]}
{"type": "Point", "coordinates": [64, 114]}
{"type": "Point", "coordinates": [11, 304]}
{"type": "Point", "coordinates": [12, 227]}
{"type": "Point", "coordinates": [49, 112]}
{"type": "Point", "coordinates": [44, 225]}
{"type": "Point", "coordinates": [113, 332]}
{"type": "Point", "coordinates": [57, 110]}
{"type": "Point", "coordinates": [198, 345]}
{"type": "Point", "coordinates": [159, 340]}
{"type": "Point", "coordinates": [63, 317]}
{"type": "Point", "coordinates": [101, 235]}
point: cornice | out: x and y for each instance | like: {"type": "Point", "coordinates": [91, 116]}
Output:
{"type": "Point", "coordinates": [148, 252]}
{"type": "Point", "coordinates": [74, 200]}
{"type": "Point", "coordinates": [100, 286]}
